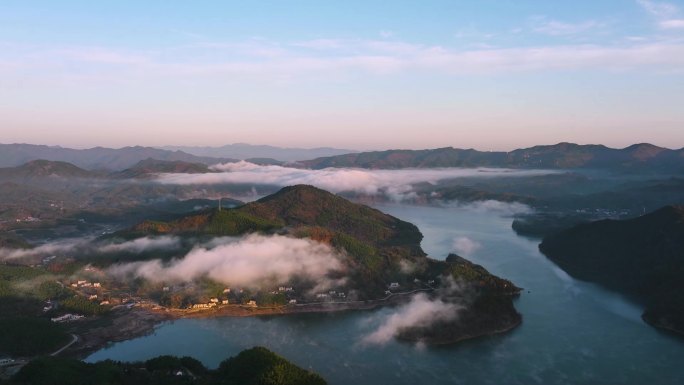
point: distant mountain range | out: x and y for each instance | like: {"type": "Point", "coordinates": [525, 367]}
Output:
{"type": "Point", "coordinates": [248, 151]}
{"type": "Point", "coordinates": [638, 157]}
{"type": "Point", "coordinates": [97, 158]}
{"type": "Point", "coordinates": [41, 169]}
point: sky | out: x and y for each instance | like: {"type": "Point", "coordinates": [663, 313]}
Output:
{"type": "Point", "coordinates": [487, 74]}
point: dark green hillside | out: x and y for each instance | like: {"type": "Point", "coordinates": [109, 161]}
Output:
{"type": "Point", "coordinates": [297, 207]}
{"type": "Point", "coordinates": [12, 241]}
{"type": "Point", "coordinates": [257, 366]}
{"type": "Point", "coordinates": [310, 206]}
{"type": "Point", "coordinates": [487, 299]}
{"type": "Point", "coordinates": [24, 329]}
{"type": "Point", "coordinates": [643, 257]}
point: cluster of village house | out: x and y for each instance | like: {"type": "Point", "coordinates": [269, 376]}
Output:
{"type": "Point", "coordinates": [215, 301]}
{"type": "Point", "coordinates": [331, 295]}
{"type": "Point", "coordinates": [91, 290]}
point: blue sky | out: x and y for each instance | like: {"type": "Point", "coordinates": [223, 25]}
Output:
{"type": "Point", "coordinates": [354, 74]}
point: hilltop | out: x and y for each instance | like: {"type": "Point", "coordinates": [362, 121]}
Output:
{"type": "Point", "coordinates": [642, 257]}
{"type": "Point", "coordinates": [42, 168]}
{"type": "Point", "coordinates": [375, 240]}
{"type": "Point", "coordinates": [148, 167]}
{"type": "Point", "coordinates": [377, 248]}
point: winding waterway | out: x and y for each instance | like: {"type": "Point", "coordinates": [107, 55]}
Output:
{"type": "Point", "coordinates": [573, 332]}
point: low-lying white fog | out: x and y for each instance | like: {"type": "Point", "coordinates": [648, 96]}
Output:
{"type": "Point", "coordinates": [247, 261]}
{"type": "Point", "coordinates": [394, 183]}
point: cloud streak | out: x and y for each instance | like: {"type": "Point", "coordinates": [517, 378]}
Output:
{"type": "Point", "coordinates": [560, 28]}
{"type": "Point", "coordinates": [245, 262]}
{"type": "Point", "coordinates": [81, 246]}
{"type": "Point", "coordinates": [668, 15]}
{"type": "Point", "coordinates": [142, 244]}
{"type": "Point", "coordinates": [497, 207]}
{"type": "Point", "coordinates": [394, 183]}
{"type": "Point", "coordinates": [264, 59]}
{"type": "Point", "coordinates": [421, 312]}
{"type": "Point", "coordinates": [47, 249]}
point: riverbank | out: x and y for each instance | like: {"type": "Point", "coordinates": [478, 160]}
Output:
{"type": "Point", "coordinates": [126, 323]}
{"type": "Point", "coordinates": [122, 324]}
{"type": "Point", "coordinates": [141, 320]}
{"type": "Point", "coordinates": [312, 307]}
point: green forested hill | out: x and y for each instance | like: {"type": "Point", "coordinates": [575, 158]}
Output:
{"type": "Point", "coordinates": [256, 366]}
{"type": "Point", "coordinates": [642, 257]}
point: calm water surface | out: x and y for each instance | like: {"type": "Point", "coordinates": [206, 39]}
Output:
{"type": "Point", "coordinates": [573, 332]}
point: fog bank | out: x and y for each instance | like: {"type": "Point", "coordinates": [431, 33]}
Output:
{"type": "Point", "coordinates": [394, 183]}
{"type": "Point", "coordinates": [246, 262]}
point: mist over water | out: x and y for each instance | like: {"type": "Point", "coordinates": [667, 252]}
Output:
{"type": "Point", "coordinates": [572, 333]}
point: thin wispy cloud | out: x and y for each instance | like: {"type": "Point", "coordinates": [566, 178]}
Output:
{"type": "Point", "coordinates": [268, 59]}
{"type": "Point", "coordinates": [667, 15]}
{"type": "Point", "coordinates": [80, 246]}
{"type": "Point", "coordinates": [386, 34]}
{"type": "Point", "coordinates": [659, 9]}
{"type": "Point", "coordinates": [560, 28]}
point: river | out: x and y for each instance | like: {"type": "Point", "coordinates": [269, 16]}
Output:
{"type": "Point", "coordinates": [573, 332]}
